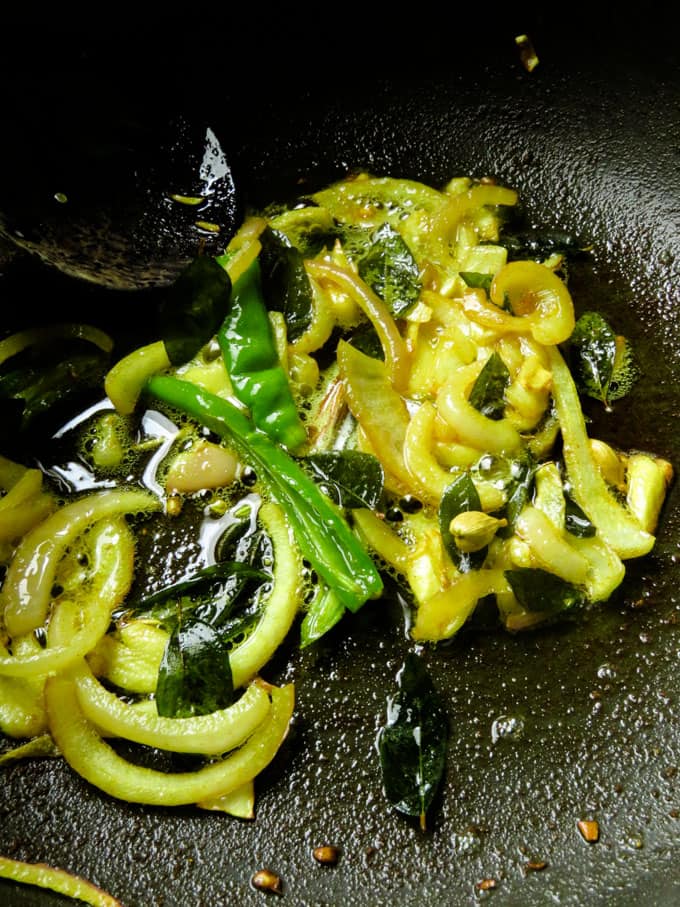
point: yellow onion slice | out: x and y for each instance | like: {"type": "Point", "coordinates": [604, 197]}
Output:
{"type": "Point", "coordinates": [77, 626]}
{"type": "Point", "coordinates": [239, 802]}
{"type": "Point", "coordinates": [21, 340]}
{"type": "Point", "coordinates": [216, 732]}
{"type": "Point", "coordinates": [130, 657]}
{"type": "Point", "coordinates": [377, 407]}
{"type": "Point", "coordinates": [26, 592]}
{"type": "Point", "coordinates": [443, 614]}
{"type": "Point", "coordinates": [428, 476]}
{"type": "Point", "coordinates": [282, 605]}
{"type": "Point", "coordinates": [125, 380]}
{"type": "Point", "coordinates": [397, 358]}
{"type": "Point", "coordinates": [538, 297]}
{"type": "Point", "coordinates": [57, 880]}
{"type": "Point", "coordinates": [550, 547]}
{"type": "Point", "coordinates": [132, 661]}
{"type": "Point", "coordinates": [25, 504]}
{"type": "Point", "coordinates": [92, 758]}
{"type": "Point", "coordinates": [615, 523]}
{"type": "Point", "coordinates": [471, 426]}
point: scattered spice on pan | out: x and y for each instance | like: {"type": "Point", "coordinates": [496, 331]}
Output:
{"type": "Point", "coordinates": [266, 880]}
{"type": "Point", "coordinates": [535, 865]}
{"type": "Point", "coordinates": [326, 854]}
{"type": "Point", "coordinates": [590, 830]}
{"type": "Point", "coordinates": [486, 884]}
{"type": "Point", "coordinates": [369, 854]}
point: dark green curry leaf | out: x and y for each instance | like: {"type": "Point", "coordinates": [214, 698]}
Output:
{"type": "Point", "coordinates": [391, 271]}
{"type": "Point", "coordinates": [541, 244]}
{"type": "Point", "coordinates": [349, 477]}
{"type": "Point", "coordinates": [603, 364]}
{"type": "Point", "coordinates": [193, 309]}
{"type": "Point", "coordinates": [522, 472]}
{"type": "Point", "coordinates": [459, 497]}
{"type": "Point", "coordinates": [35, 389]}
{"type": "Point", "coordinates": [195, 675]}
{"type": "Point", "coordinates": [488, 392]}
{"type": "Point", "coordinates": [537, 590]}
{"type": "Point", "coordinates": [307, 226]}
{"type": "Point", "coordinates": [365, 339]}
{"type": "Point", "coordinates": [413, 742]}
{"type": "Point", "coordinates": [477, 280]}
{"type": "Point", "coordinates": [285, 282]}
{"type": "Point", "coordinates": [209, 590]}
{"type": "Point", "coordinates": [575, 520]}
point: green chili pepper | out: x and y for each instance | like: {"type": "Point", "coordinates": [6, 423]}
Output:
{"type": "Point", "coordinates": [257, 376]}
{"type": "Point", "coordinates": [324, 537]}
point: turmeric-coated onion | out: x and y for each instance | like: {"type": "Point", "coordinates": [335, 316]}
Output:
{"type": "Point", "coordinates": [27, 588]}
{"type": "Point", "coordinates": [92, 758]}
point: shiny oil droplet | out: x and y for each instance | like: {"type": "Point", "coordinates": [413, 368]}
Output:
{"type": "Point", "coordinates": [507, 727]}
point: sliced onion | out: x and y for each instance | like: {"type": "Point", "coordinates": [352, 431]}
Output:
{"type": "Point", "coordinates": [615, 523]}
{"type": "Point", "coordinates": [92, 758]}
{"type": "Point", "coordinates": [113, 565]}
{"type": "Point", "coordinates": [397, 358]}
{"type": "Point", "coordinates": [21, 340]}
{"type": "Point", "coordinates": [471, 426]}
{"type": "Point", "coordinates": [25, 595]}
{"type": "Point", "coordinates": [57, 880]}
{"type": "Point", "coordinates": [280, 608]}
{"type": "Point", "coordinates": [443, 614]}
{"type": "Point", "coordinates": [549, 546]}
{"type": "Point", "coordinates": [217, 732]}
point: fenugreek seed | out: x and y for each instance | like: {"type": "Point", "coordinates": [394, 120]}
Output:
{"type": "Point", "coordinates": [486, 885]}
{"type": "Point", "coordinates": [266, 880]}
{"type": "Point", "coordinates": [326, 854]}
{"type": "Point", "coordinates": [589, 829]}
{"type": "Point", "coordinates": [535, 865]}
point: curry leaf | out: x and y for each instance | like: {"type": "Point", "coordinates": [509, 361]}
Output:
{"type": "Point", "coordinates": [349, 477]}
{"type": "Point", "coordinates": [33, 391]}
{"type": "Point", "coordinates": [459, 497]}
{"type": "Point", "coordinates": [541, 244]}
{"type": "Point", "coordinates": [604, 364]}
{"type": "Point", "coordinates": [522, 472]}
{"type": "Point", "coordinates": [203, 580]}
{"type": "Point", "coordinates": [413, 742]}
{"type": "Point", "coordinates": [538, 590]}
{"type": "Point", "coordinates": [195, 675]}
{"type": "Point", "coordinates": [391, 271]}
{"type": "Point", "coordinates": [285, 283]}
{"type": "Point", "coordinates": [477, 280]}
{"type": "Point", "coordinates": [488, 392]}
{"type": "Point", "coordinates": [194, 308]}
{"type": "Point", "coordinates": [575, 520]}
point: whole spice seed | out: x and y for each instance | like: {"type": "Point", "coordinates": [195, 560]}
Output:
{"type": "Point", "coordinates": [486, 885]}
{"type": "Point", "coordinates": [590, 830]}
{"type": "Point", "coordinates": [266, 880]}
{"type": "Point", "coordinates": [326, 854]}
{"type": "Point", "coordinates": [535, 865]}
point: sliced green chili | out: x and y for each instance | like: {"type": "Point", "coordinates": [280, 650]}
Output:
{"type": "Point", "coordinates": [324, 537]}
{"type": "Point", "coordinates": [257, 376]}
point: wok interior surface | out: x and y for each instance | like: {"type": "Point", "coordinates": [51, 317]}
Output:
{"type": "Point", "coordinates": [592, 706]}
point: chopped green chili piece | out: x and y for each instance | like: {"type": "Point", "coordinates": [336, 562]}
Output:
{"type": "Point", "coordinates": [257, 376]}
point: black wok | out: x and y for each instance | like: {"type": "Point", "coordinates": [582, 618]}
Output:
{"type": "Point", "coordinates": [591, 139]}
